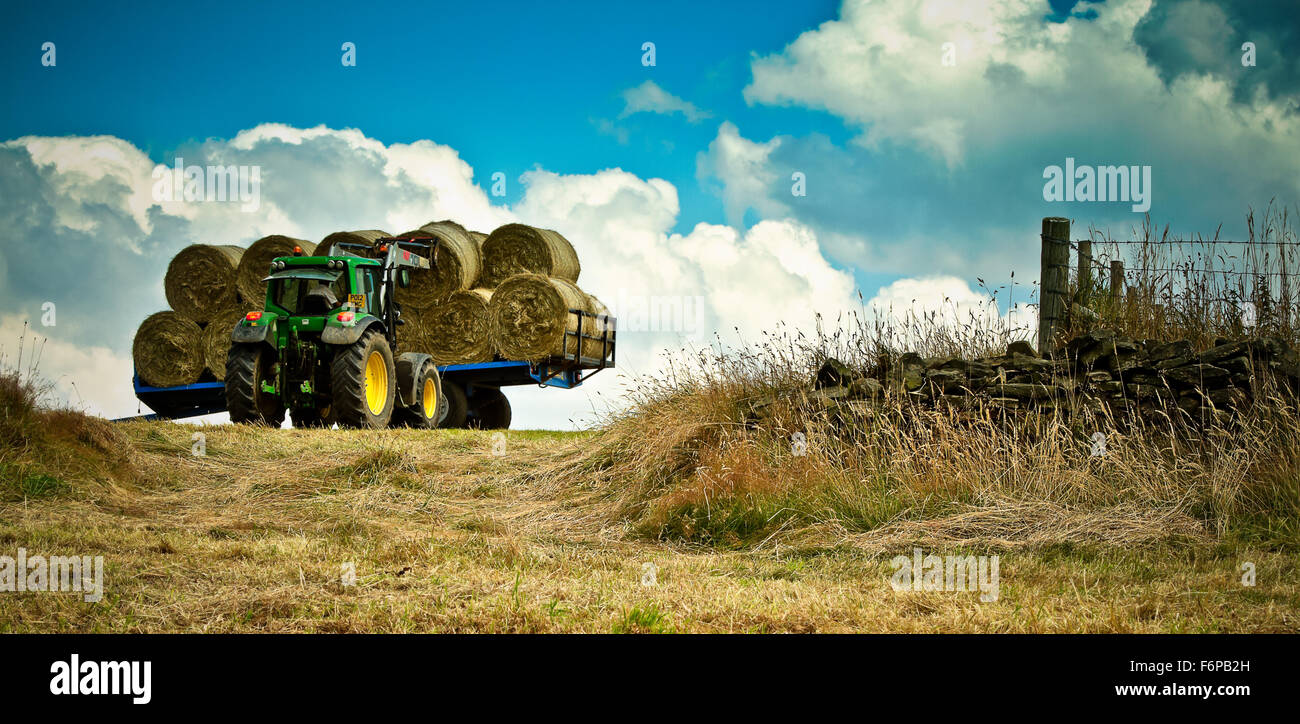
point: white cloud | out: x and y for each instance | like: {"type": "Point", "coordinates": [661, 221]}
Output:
{"type": "Point", "coordinates": [880, 68]}
{"type": "Point", "coordinates": [319, 180]}
{"type": "Point", "coordinates": [93, 379]}
{"type": "Point", "coordinates": [744, 169]}
{"type": "Point", "coordinates": [650, 98]}
{"type": "Point", "coordinates": [947, 302]}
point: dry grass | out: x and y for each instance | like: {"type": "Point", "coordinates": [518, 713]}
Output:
{"type": "Point", "coordinates": [444, 536]}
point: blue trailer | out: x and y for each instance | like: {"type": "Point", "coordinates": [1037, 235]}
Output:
{"type": "Point", "coordinates": [471, 393]}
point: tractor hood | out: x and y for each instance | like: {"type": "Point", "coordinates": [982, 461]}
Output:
{"type": "Point", "coordinates": [323, 275]}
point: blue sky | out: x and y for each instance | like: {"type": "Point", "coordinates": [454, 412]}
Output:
{"type": "Point", "coordinates": [512, 85]}
{"type": "Point", "coordinates": [923, 176]}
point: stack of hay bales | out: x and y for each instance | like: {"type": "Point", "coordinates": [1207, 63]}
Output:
{"type": "Point", "coordinates": [506, 293]}
{"type": "Point", "coordinates": [209, 289]}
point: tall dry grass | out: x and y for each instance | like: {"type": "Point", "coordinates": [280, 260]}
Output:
{"type": "Point", "coordinates": [1197, 288]}
{"type": "Point", "coordinates": [691, 462]}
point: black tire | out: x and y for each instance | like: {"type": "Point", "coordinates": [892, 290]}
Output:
{"type": "Point", "coordinates": [491, 410]}
{"type": "Point", "coordinates": [457, 407]}
{"type": "Point", "coordinates": [418, 414]}
{"type": "Point", "coordinates": [311, 418]}
{"type": "Point", "coordinates": [349, 380]}
{"type": "Point", "coordinates": [247, 365]}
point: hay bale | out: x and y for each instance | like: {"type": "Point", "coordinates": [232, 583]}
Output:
{"type": "Point", "coordinates": [520, 249]}
{"type": "Point", "coordinates": [478, 237]}
{"type": "Point", "coordinates": [530, 314]}
{"type": "Point", "coordinates": [256, 264]}
{"type": "Point", "coordinates": [168, 350]}
{"type": "Point", "coordinates": [456, 264]}
{"type": "Point", "coordinates": [366, 238]}
{"type": "Point", "coordinates": [459, 331]}
{"type": "Point", "coordinates": [200, 280]}
{"type": "Point", "coordinates": [216, 340]}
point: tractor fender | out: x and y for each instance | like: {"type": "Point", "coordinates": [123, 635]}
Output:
{"type": "Point", "coordinates": [347, 335]}
{"type": "Point", "coordinates": [408, 365]}
{"type": "Point", "coordinates": [249, 334]}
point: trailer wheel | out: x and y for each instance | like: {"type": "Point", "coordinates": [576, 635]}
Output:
{"type": "Point", "coordinates": [363, 382]}
{"type": "Point", "coordinates": [491, 410]}
{"type": "Point", "coordinates": [456, 409]}
{"type": "Point", "coordinates": [247, 366]}
{"type": "Point", "coordinates": [422, 413]}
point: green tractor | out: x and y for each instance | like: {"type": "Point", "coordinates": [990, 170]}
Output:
{"type": "Point", "coordinates": [325, 349]}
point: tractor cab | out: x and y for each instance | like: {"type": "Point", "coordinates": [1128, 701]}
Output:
{"type": "Point", "coordinates": [324, 346]}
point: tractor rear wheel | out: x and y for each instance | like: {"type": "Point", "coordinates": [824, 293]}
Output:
{"type": "Point", "coordinates": [363, 382]}
{"type": "Point", "coordinates": [247, 366]}
{"type": "Point", "coordinates": [456, 407]}
{"type": "Point", "coordinates": [491, 410]}
{"type": "Point", "coordinates": [423, 411]}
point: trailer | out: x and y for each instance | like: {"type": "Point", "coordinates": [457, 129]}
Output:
{"type": "Point", "coordinates": [471, 393]}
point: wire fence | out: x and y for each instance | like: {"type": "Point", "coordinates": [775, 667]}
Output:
{"type": "Point", "coordinates": [1199, 288]}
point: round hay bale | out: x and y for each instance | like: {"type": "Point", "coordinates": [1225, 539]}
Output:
{"type": "Point", "coordinates": [520, 249]}
{"type": "Point", "coordinates": [456, 264]}
{"type": "Point", "coordinates": [216, 340]}
{"type": "Point", "coordinates": [168, 350]}
{"type": "Point", "coordinates": [478, 237]}
{"type": "Point", "coordinates": [365, 238]}
{"type": "Point", "coordinates": [200, 280]}
{"type": "Point", "coordinates": [530, 314]}
{"type": "Point", "coordinates": [459, 331]}
{"type": "Point", "coordinates": [256, 264]}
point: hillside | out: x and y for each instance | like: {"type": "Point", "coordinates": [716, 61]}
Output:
{"type": "Point", "coordinates": [554, 533]}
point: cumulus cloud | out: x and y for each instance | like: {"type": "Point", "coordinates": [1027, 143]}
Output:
{"type": "Point", "coordinates": [91, 199]}
{"type": "Point", "coordinates": [949, 303]}
{"type": "Point", "coordinates": [880, 67]}
{"type": "Point", "coordinates": [944, 174]}
{"type": "Point", "coordinates": [745, 172]}
{"type": "Point", "coordinates": [649, 97]}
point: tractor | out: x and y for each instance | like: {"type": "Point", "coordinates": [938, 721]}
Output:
{"type": "Point", "coordinates": [325, 347]}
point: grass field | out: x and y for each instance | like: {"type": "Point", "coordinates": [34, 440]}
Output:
{"type": "Point", "coordinates": [445, 535]}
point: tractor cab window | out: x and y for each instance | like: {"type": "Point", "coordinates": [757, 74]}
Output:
{"type": "Point", "coordinates": [315, 292]}
{"type": "Point", "coordinates": [367, 283]}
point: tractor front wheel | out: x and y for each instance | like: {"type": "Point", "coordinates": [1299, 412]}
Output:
{"type": "Point", "coordinates": [423, 412]}
{"type": "Point", "coordinates": [247, 366]}
{"type": "Point", "coordinates": [363, 382]}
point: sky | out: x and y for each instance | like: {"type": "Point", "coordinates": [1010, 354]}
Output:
{"type": "Point", "coordinates": [759, 163]}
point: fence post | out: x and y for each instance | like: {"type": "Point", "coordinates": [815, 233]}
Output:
{"type": "Point", "coordinates": [1085, 271]}
{"type": "Point", "coordinates": [1054, 276]}
{"type": "Point", "coordinates": [1116, 280]}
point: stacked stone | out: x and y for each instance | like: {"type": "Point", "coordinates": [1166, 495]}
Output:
{"type": "Point", "coordinates": [1094, 371]}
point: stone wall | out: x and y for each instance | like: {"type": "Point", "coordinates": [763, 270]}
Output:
{"type": "Point", "coordinates": [1096, 370]}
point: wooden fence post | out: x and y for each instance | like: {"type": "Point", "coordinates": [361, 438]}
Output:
{"type": "Point", "coordinates": [1116, 280]}
{"type": "Point", "coordinates": [1054, 279]}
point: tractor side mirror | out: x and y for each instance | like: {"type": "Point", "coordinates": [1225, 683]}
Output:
{"type": "Point", "coordinates": [404, 278]}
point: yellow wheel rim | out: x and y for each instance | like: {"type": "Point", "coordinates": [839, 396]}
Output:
{"type": "Point", "coordinates": [376, 383]}
{"type": "Point", "coordinates": [430, 398]}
